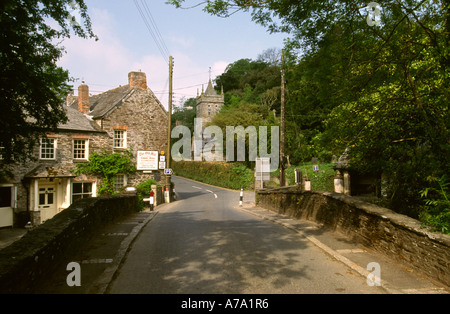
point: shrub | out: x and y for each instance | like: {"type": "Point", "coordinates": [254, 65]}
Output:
{"type": "Point", "coordinates": [227, 175]}
{"type": "Point", "coordinates": [436, 212]}
{"type": "Point", "coordinates": [143, 190]}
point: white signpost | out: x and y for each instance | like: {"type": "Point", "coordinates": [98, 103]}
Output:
{"type": "Point", "coordinates": [151, 200]}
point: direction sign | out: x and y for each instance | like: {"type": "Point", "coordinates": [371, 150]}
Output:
{"type": "Point", "coordinates": [168, 171]}
{"type": "Point", "coordinates": [262, 172]}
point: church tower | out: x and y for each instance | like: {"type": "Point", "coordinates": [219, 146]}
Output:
{"type": "Point", "coordinates": [209, 104]}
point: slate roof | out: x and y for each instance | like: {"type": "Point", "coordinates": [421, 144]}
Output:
{"type": "Point", "coordinates": [101, 105]}
{"type": "Point", "coordinates": [77, 121]}
{"type": "Point", "coordinates": [104, 103]}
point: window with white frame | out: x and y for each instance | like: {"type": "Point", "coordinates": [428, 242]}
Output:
{"type": "Point", "coordinates": [120, 181]}
{"type": "Point", "coordinates": [81, 190]}
{"type": "Point", "coordinates": [120, 139]}
{"type": "Point", "coordinates": [80, 149]}
{"type": "Point", "coordinates": [47, 148]}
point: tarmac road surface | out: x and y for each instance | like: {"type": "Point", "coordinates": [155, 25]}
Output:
{"type": "Point", "coordinates": [203, 244]}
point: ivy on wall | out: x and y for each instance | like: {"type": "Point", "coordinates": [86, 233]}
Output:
{"type": "Point", "coordinates": [107, 166]}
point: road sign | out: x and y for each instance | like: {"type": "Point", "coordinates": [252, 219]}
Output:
{"type": "Point", "coordinates": [262, 169]}
{"type": "Point", "coordinates": [168, 171]}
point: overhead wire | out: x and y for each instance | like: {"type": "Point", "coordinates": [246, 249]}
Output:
{"type": "Point", "coordinates": [152, 27]}
{"type": "Point", "coordinates": [155, 27]}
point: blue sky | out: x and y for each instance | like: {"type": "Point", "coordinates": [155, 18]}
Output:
{"type": "Point", "coordinates": [196, 40]}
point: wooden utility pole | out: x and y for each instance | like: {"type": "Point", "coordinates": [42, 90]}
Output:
{"type": "Point", "coordinates": [169, 131]}
{"type": "Point", "coordinates": [282, 174]}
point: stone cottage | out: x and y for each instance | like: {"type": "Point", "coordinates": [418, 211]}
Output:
{"type": "Point", "coordinates": [132, 117]}
{"type": "Point", "coordinates": [127, 117]}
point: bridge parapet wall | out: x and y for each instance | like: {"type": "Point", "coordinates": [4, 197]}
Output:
{"type": "Point", "coordinates": [38, 253]}
{"type": "Point", "coordinates": [397, 236]}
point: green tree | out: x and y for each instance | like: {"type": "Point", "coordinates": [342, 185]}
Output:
{"type": "Point", "coordinates": [252, 81]}
{"type": "Point", "coordinates": [246, 115]}
{"type": "Point", "coordinates": [397, 120]}
{"type": "Point", "coordinates": [382, 90]}
{"type": "Point", "coordinates": [32, 86]}
{"type": "Point", "coordinates": [185, 115]}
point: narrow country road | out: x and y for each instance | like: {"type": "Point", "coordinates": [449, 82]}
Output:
{"type": "Point", "coordinates": [203, 244]}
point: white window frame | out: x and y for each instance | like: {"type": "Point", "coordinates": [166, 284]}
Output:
{"type": "Point", "coordinates": [55, 142]}
{"type": "Point", "coordinates": [83, 193]}
{"type": "Point", "coordinates": [76, 149]}
{"type": "Point", "coordinates": [122, 140]}
{"type": "Point", "coordinates": [123, 178]}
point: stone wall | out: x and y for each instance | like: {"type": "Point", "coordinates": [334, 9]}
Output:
{"type": "Point", "coordinates": [41, 250]}
{"type": "Point", "coordinates": [145, 121]}
{"type": "Point", "coordinates": [398, 236]}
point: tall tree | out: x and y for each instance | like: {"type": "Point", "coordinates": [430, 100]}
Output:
{"type": "Point", "coordinates": [382, 71]}
{"type": "Point", "coordinates": [32, 86]}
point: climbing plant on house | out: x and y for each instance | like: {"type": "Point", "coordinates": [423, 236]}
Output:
{"type": "Point", "coordinates": [107, 166]}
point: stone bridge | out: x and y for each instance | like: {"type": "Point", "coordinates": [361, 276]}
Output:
{"type": "Point", "coordinates": [398, 236]}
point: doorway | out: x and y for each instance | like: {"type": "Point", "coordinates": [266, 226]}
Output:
{"type": "Point", "coordinates": [47, 202]}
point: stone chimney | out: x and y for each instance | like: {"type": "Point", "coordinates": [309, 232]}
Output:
{"type": "Point", "coordinates": [137, 80]}
{"type": "Point", "coordinates": [70, 98]}
{"type": "Point", "coordinates": [83, 98]}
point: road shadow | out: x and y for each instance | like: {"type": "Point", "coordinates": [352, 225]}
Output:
{"type": "Point", "coordinates": [187, 195]}
{"type": "Point", "coordinates": [199, 252]}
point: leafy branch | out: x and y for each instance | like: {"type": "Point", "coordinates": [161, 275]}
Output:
{"type": "Point", "coordinates": [107, 166]}
{"type": "Point", "coordinates": [436, 212]}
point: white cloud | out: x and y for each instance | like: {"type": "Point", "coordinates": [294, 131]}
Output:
{"type": "Point", "coordinates": [105, 64]}
{"type": "Point", "coordinates": [101, 63]}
